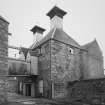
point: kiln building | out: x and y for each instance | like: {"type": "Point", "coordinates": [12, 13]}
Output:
{"type": "Point", "coordinates": [57, 59]}
{"type": "Point", "coordinates": [61, 59]}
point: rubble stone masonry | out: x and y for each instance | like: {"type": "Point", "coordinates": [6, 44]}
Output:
{"type": "Point", "coordinates": [44, 65]}
{"type": "Point", "coordinates": [65, 66]}
{"type": "Point", "coordinates": [3, 55]}
{"type": "Point", "coordinates": [58, 64]}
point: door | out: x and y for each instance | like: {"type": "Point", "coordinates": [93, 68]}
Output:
{"type": "Point", "coordinates": [41, 87]}
{"type": "Point", "coordinates": [28, 89]}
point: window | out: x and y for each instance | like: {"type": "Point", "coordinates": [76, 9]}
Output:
{"type": "Point", "coordinates": [71, 50]}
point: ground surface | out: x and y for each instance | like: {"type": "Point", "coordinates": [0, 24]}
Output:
{"type": "Point", "coordinates": [16, 99]}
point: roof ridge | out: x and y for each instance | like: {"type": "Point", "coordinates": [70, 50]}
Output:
{"type": "Point", "coordinates": [65, 38]}
{"type": "Point", "coordinates": [1, 17]}
{"type": "Point", "coordinates": [60, 35]}
{"type": "Point", "coordinates": [45, 38]}
{"type": "Point", "coordinates": [71, 37]}
{"type": "Point", "coordinates": [88, 44]}
{"type": "Point", "coordinates": [52, 36]}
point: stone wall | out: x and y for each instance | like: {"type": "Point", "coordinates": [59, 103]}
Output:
{"type": "Point", "coordinates": [61, 63]}
{"type": "Point", "coordinates": [3, 47]}
{"type": "Point", "coordinates": [44, 68]}
{"type": "Point", "coordinates": [3, 60]}
{"type": "Point", "coordinates": [65, 66]}
{"type": "Point", "coordinates": [86, 90]}
{"type": "Point", "coordinates": [12, 85]}
{"type": "Point", "coordinates": [92, 62]}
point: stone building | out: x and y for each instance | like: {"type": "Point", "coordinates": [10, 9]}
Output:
{"type": "Point", "coordinates": [60, 59]}
{"type": "Point", "coordinates": [57, 60]}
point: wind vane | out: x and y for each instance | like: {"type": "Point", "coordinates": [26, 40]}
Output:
{"type": "Point", "coordinates": [38, 23]}
{"type": "Point", "coordinates": [56, 2]}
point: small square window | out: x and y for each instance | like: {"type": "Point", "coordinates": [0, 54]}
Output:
{"type": "Point", "coordinates": [71, 50]}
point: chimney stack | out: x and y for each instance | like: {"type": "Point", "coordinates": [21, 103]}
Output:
{"type": "Point", "coordinates": [56, 16]}
{"type": "Point", "coordinates": [37, 33]}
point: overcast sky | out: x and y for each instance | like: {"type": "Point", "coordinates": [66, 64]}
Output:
{"type": "Point", "coordinates": [84, 22]}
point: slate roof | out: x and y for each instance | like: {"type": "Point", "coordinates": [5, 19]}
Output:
{"type": "Point", "coordinates": [94, 42]}
{"type": "Point", "coordinates": [56, 11]}
{"type": "Point", "coordinates": [37, 29]}
{"type": "Point", "coordinates": [57, 34]}
{"type": "Point", "coordinates": [95, 46]}
{"type": "Point", "coordinates": [2, 18]}
{"type": "Point", "coordinates": [88, 45]}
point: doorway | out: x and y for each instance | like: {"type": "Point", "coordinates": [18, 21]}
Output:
{"type": "Point", "coordinates": [28, 89]}
{"type": "Point", "coordinates": [41, 88]}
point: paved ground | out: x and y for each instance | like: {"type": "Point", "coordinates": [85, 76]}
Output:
{"type": "Point", "coordinates": [16, 99]}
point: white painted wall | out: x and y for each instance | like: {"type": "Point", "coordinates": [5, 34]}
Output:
{"type": "Point", "coordinates": [56, 22]}
{"type": "Point", "coordinates": [41, 86]}
{"type": "Point", "coordinates": [37, 37]}
{"type": "Point", "coordinates": [34, 64]}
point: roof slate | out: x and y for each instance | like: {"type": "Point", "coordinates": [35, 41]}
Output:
{"type": "Point", "coordinates": [2, 18]}
{"type": "Point", "coordinates": [37, 29]}
{"type": "Point", "coordinates": [57, 34]}
{"type": "Point", "coordinates": [56, 11]}
{"type": "Point", "coordinates": [94, 42]}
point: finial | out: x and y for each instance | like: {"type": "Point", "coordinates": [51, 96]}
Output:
{"type": "Point", "coordinates": [95, 39]}
{"type": "Point", "coordinates": [55, 2]}
{"type": "Point", "coordinates": [38, 23]}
